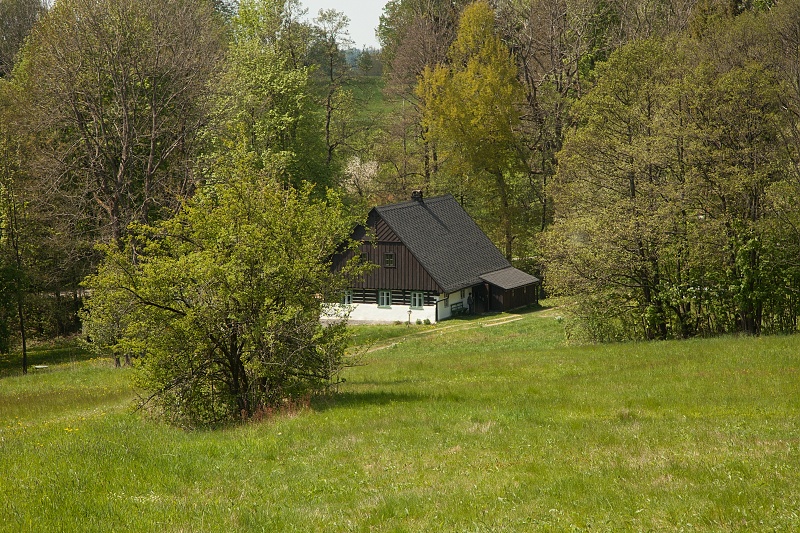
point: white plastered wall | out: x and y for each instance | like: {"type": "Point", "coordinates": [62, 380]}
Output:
{"type": "Point", "coordinates": [372, 314]}
{"type": "Point", "coordinates": [453, 297]}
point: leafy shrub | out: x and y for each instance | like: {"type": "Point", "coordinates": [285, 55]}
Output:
{"type": "Point", "coordinates": [223, 301]}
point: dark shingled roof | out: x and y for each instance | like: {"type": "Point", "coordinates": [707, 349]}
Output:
{"type": "Point", "coordinates": [449, 245]}
{"type": "Point", "coordinates": [509, 278]}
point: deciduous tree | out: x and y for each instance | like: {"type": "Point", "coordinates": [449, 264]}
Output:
{"type": "Point", "coordinates": [13, 286]}
{"type": "Point", "coordinates": [331, 40]}
{"type": "Point", "coordinates": [473, 108]}
{"type": "Point", "coordinates": [672, 210]}
{"type": "Point", "coordinates": [414, 34]}
{"type": "Point", "coordinates": [17, 17]}
{"type": "Point", "coordinates": [617, 193]}
{"type": "Point", "coordinates": [264, 100]}
{"type": "Point", "coordinates": [116, 93]}
{"type": "Point", "coordinates": [221, 303]}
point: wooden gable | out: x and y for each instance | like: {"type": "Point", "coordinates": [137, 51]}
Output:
{"type": "Point", "coordinates": [407, 272]}
{"type": "Point", "coordinates": [383, 233]}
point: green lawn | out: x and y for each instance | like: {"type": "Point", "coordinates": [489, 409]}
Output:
{"type": "Point", "coordinates": [490, 424]}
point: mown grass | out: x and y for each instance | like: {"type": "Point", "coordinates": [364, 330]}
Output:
{"type": "Point", "coordinates": [474, 425]}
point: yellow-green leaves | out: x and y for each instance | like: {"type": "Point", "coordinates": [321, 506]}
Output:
{"type": "Point", "coordinates": [662, 194]}
{"type": "Point", "coordinates": [472, 104]}
{"type": "Point", "coordinates": [221, 303]}
{"type": "Point", "coordinates": [472, 110]}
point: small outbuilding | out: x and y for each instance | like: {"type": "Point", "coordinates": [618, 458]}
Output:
{"type": "Point", "coordinates": [434, 262]}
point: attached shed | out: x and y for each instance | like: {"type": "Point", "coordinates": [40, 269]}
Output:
{"type": "Point", "coordinates": [510, 288]}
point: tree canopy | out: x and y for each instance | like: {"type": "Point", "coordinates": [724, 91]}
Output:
{"type": "Point", "coordinates": [640, 156]}
{"type": "Point", "coordinates": [221, 303]}
{"type": "Point", "coordinates": [17, 17]}
{"type": "Point", "coordinates": [115, 94]}
{"type": "Point", "coordinates": [264, 99]}
{"type": "Point", "coordinates": [472, 110]}
{"type": "Point", "coordinates": [666, 194]}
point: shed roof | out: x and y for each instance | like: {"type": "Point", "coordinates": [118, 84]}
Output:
{"type": "Point", "coordinates": [450, 245]}
{"type": "Point", "coordinates": [509, 278]}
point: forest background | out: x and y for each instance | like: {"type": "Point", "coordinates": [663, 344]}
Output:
{"type": "Point", "coordinates": [641, 156]}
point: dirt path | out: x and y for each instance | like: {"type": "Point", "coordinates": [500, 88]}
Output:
{"type": "Point", "coordinates": [488, 323]}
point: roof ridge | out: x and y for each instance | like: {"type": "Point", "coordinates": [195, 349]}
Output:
{"type": "Point", "coordinates": [407, 203]}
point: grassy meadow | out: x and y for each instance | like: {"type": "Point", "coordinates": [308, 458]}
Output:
{"type": "Point", "coordinates": [487, 424]}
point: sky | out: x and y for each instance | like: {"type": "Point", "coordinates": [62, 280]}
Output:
{"type": "Point", "coordinates": [363, 14]}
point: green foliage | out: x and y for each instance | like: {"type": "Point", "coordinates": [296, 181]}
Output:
{"type": "Point", "coordinates": [10, 275]}
{"type": "Point", "coordinates": [674, 196]}
{"type": "Point", "coordinates": [115, 92]}
{"type": "Point", "coordinates": [221, 304]}
{"type": "Point", "coordinates": [365, 62]}
{"type": "Point", "coordinates": [346, 137]}
{"type": "Point", "coordinates": [16, 19]}
{"type": "Point", "coordinates": [616, 189]}
{"type": "Point", "coordinates": [472, 104]}
{"type": "Point", "coordinates": [264, 98]}
{"type": "Point", "coordinates": [472, 111]}
{"type": "Point", "coordinates": [663, 208]}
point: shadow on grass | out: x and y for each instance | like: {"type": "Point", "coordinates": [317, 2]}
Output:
{"type": "Point", "coordinates": [388, 382]}
{"type": "Point", "coordinates": [49, 354]}
{"type": "Point", "coordinates": [527, 310]}
{"type": "Point", "coordinates": [363, 399]}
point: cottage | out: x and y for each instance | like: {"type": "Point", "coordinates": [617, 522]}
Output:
{"type": "Point", "coordinates": [434, 262]}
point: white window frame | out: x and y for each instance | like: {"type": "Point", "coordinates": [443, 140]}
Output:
{"type": "Point", "coordinates": [417, 299]}
{"type": "Point", "coordinates": [347, 297]}
{"type": "Point", "coordinates": [384, 298]}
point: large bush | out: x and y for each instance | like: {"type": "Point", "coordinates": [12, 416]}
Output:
{"type": "Point", "coordinates": [219, 307]}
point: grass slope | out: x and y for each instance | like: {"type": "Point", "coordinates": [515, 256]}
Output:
{"type": "Point", "coordinates": [489, 424]}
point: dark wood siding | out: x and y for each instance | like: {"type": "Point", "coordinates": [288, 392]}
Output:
{"type": "Point", "coordinates": [503, 300]}
{"type": "Point", "coordinates": [365, 296]}
{"type": "Point", "coordinates": [399, 297]}
{"type": "Point", "coordinates": [496, 298]}
{"type": "Point", "coordinates": [407, 273]}
{"type": "Point", "coordinates": [383, 233]}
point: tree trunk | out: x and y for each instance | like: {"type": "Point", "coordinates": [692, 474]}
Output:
{"type": "Point", "coordinates": [20, 293]}
{"type": "Point", "coordinates": [505, 215]}
{"type": "Point", "coordinates": [21, 313]}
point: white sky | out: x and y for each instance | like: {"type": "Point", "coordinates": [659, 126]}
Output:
{"type": "Point", "coordinates": [363, 14]}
